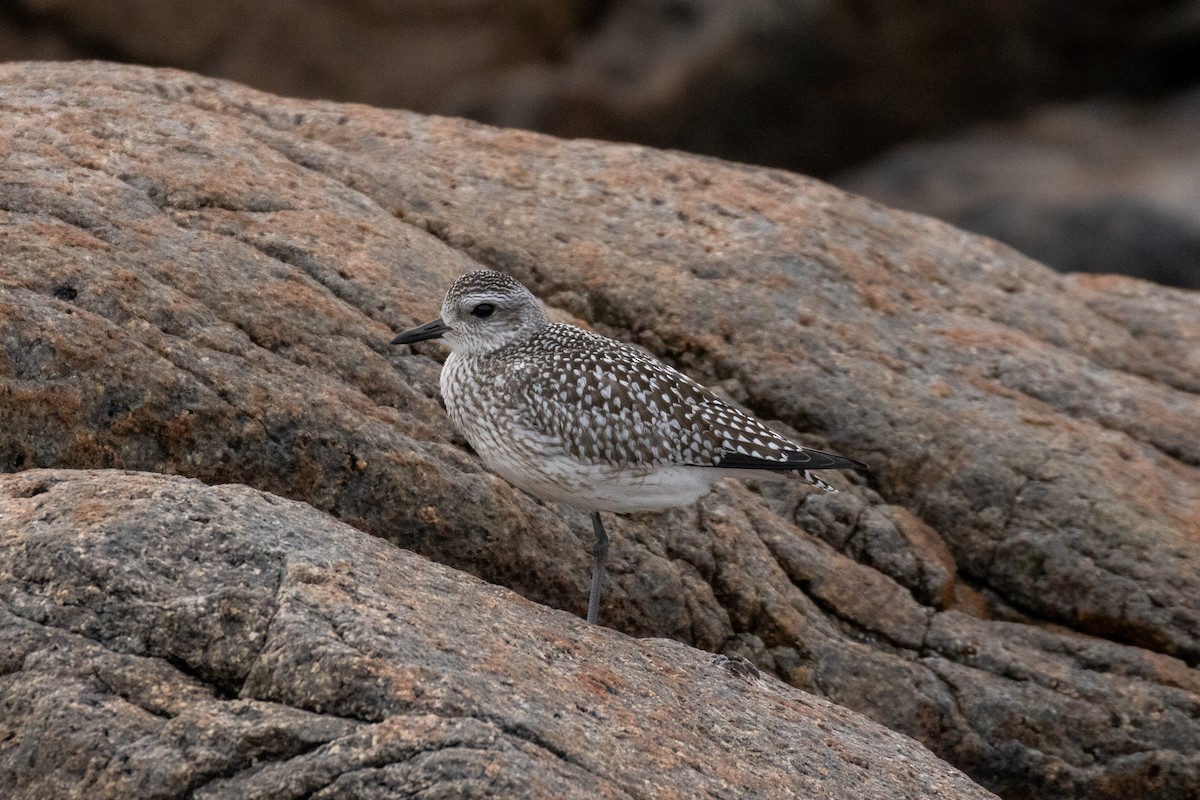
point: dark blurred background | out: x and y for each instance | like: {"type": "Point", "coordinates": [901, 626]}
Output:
{"type": "Point", "coordinates": [1070, 130]}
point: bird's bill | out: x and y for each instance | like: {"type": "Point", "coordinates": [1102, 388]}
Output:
{"type": "Point", "coordinates": [430, 330]}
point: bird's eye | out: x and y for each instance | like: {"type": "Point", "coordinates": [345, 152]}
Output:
{"type": "Point", "coordinates": [483, 310]}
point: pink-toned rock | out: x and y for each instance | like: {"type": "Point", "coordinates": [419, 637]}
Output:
{"type": "Point", "coordinates": [202, 279]}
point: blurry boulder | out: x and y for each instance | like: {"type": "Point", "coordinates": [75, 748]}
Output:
{"type": "Point", "coordinates": [803, 85]}
{"type": "Point", "coordinates": [1102, 188]}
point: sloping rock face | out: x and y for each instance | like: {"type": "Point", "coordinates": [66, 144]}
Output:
{"type": "Point", "coordinates": [201, 279]}
{"type": "Point", "coordinates": [162, 638]}
{"type": "Point", "coordinates": [1097, 187]}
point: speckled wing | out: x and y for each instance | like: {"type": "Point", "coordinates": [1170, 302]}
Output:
{"type": "Point", "coordinates": [612, 403]}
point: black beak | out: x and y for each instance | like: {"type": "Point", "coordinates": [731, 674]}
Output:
{"type": "Point", "coordinates": [430, 330]}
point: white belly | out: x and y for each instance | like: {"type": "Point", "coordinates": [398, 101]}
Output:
{"type": "Point", "coordinates": [592, 487]}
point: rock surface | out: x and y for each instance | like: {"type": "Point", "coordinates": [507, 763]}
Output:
{"type": "Point", "coordinates": [202, 279]}
{"type": "Point", "coordinates": [1090, 188]}
{"type": "Point", "coordinates": [162, 638]}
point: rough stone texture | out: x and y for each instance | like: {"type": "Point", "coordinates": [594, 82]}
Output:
{"type": "Point", "coordinates": [1088, 188]}
{"type": "Point", "coordinates": [199, 278]}
{"type": "Point", "coordinates": [813, 86]}
{"type": "Point", "coordinates": [160, 638]}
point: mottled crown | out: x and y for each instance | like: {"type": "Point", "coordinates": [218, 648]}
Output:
{"type": "Point", "coordinates": [485, 310]}
{"type": "Point", "coordinates": [487, 281]}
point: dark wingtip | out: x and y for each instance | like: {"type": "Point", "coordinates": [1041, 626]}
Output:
{"type": "Point", "coordinates": [796, 459]}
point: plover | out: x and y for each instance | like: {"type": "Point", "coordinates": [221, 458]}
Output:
{"type": "Point", "coordinates": [580, 419]}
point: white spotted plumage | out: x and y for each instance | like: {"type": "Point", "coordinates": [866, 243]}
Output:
{"type": "Point", "coordinates": [579, 418]}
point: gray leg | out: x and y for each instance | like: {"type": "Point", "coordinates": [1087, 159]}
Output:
{"type": "Point", "coordinates": [599, 554]}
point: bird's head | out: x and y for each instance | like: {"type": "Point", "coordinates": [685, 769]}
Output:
{"type": "Point", "coordinates": [482, 312]}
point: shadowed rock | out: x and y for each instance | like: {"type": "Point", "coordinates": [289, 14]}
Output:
{"type": "Point", "coordinates": [163, 638]}
{"type": "Point", "coordinates": [202, 279]}
{"type": "Point", "coordinates": [808, 86]}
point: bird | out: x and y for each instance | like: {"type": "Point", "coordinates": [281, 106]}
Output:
{"type": "Point", "coordinates": [577, 418]}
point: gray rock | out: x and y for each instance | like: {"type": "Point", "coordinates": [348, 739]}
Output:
{"type": "Point", "coordinates": [162, 638]}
